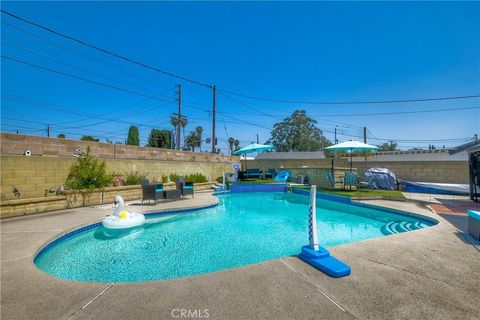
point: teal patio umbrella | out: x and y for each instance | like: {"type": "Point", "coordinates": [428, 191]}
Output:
{"type": "Point", "coordinates": [252, 148]}
{"type": "Point", "coordinates": [352, 146]}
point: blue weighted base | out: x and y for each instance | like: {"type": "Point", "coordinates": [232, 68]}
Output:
{"type": "Point", "coordinates": [323, 261]}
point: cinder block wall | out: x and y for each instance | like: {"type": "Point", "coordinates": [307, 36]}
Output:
{"type": "Point", "coordinates": [422, 171]}
{"type": "Point", "coordinates": [32, 175]}
{"type": "Point", "coordinates": [51, 159]}
{"type": "Point", "coordinates": [280, 164]}
{"type": "Point", "coordinates": [16, 144]}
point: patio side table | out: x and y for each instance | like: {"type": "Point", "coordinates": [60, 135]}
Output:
{"type": "Point", "coordinates": [172, 194]}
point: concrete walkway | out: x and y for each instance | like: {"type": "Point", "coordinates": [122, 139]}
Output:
{"type": "Point", "coordinates": [430, 273]}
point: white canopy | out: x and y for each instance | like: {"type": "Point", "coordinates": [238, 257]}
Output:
{"type": "Point", "coordinates": [252, 148]}
{"type": "Point", "coordinates": [352, 145]}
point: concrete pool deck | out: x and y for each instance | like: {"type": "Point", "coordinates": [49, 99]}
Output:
{"type": "Point", "coordinates": [430, 273]}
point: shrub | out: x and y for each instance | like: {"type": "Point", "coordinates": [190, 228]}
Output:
{"type": "Point", "coordinates": [173, 177]}
{"type": "Point", "coordinates": [88, 173]}
{"type": "Point", "coordinates": [134, 178]}
{"type": "Point", "coordinates": [195, 178]}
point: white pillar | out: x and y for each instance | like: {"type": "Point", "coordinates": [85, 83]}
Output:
{"type": "Point", "coordinates": [312, 219]}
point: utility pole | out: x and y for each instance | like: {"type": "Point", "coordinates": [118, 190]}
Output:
{"type": "Point", "coordinates": [336, 141]}
{"type": "Point", "coordinates": [48, 130]}
{"type": "Point", "coordinates": [365, 140]}
{"type": "Point", "coordinates": [214, 114]}
{"type": "Point", "coordinates": [179, 115]}
{"type": "Point", "coordinates": [257, 139]}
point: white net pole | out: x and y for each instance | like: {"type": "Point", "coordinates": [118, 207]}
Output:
{"type": "Point", "coordinates": [312, 217]}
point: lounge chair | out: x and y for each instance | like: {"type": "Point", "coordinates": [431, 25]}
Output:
{"type": "Point", "coordinates": [152, 192]}
{"type": "Point", "coordinates": [301, 180]}
{"type": "Point", "coordinates": [270, 174]}
{"type": "Point", "coordinates": [351, 179]}
{"type": "Point", "coordinates": [332, 180]}
{"type": "Point", "coordinates": [254, 173]}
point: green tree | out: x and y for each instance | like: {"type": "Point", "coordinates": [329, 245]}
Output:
{"type": "Point", "coordinates": [298, 133]}
{"type": "Point", "coordinates": [89, 138]}
{"type": "Point", "coordinates": [61, 136]}
{"type": "Point", "coordinates": [231, 142]}
{"type": "Point", "coordinates": [133, 136]}
{"type": "Point", "coordinates": [236, 143]}
{"type": "Point", "coordinates": [199, 131]}
{"type": "Point", "coordinates": [392, 146]}
{"type": "Point", "coordinates": [160, 139]}
{"type": "Point", "coordinates": [88, 172]}
{"type": "Point", "coordinates": [183, 123]}
{"type": "Point", "coordinates": [191, 140]}
{"type": "Point", "coordinates": [175, 121]}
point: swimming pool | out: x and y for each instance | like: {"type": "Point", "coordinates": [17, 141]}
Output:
{"type": "Point", "coordinates": [245, 228]}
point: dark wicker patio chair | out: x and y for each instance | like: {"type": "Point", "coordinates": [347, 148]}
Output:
{"type": "Point", "coordinates": [184, 187]}
{"type": "Point", "coordinates": [187, 188]}
{"type": "Point", "coordinates": [152, 192]}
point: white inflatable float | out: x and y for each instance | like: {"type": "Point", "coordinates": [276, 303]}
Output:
{"type": "Point", "coordinates": [121, 218]}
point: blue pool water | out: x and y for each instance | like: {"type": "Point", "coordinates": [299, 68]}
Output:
{"type": "Point", "coordinates": [244, 228]}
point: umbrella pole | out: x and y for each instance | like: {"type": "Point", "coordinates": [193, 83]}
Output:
{"type": "Point", "coordinates": [351, 159]}
{"type": "Point", "coordinates": [245, 165]}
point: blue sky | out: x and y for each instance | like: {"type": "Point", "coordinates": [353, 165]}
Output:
{"type": "Point", "coordinates": [293, 51]}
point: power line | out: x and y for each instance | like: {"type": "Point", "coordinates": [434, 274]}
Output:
{"type": "Point", "coordinates": [64, 109]}
{"type": "Point", "coordinates": [351, 115]}
{"type": "Point", "coordinates": [351, 102]}
{"type": "Point", "coordinates": [349, 135]}
{"type": "Point", "coordinates": [67, 63]}
{"type": "Point", "coordinates": [54, 125]}
{"type": "Point", "coordinates": [399, 112]}
{"type": "Point", "coordinates": [81, 78]}
{"type": "Point", "coordinates": [141, 110]}
{"type": "Point", "coordinates": [131, 113]}
{"type": "Point", "coordinates": [32, 129]}
{"type": "Point", "coordinates": [250, 107]}
{"type": "Point", "coordinates": [144, 65]}
{"type": "Point", "coordinates": [89, 57]}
